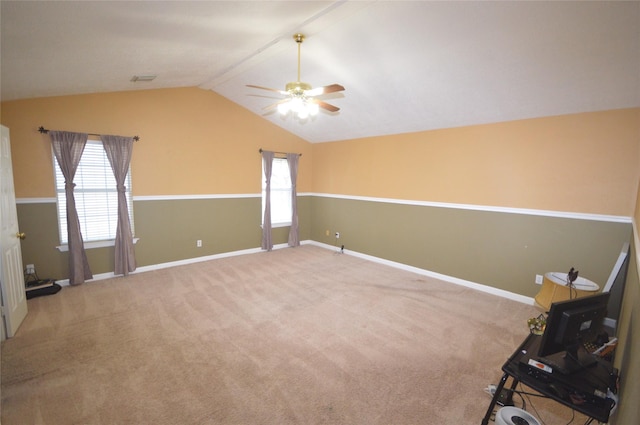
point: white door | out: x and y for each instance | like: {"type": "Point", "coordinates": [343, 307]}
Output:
{"type": "Point", "coordinates": [14, 298]}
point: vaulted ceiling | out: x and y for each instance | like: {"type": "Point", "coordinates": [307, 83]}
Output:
{"type": "Point", "coordinates": [406, 65]}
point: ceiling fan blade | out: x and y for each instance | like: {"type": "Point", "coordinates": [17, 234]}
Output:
{"type": "Point", "coordinates": [324, 90]}
{"type": "Point", "coordinates": [273, 105]}
{"type": "Point", "coordinates": [267, 88]}
{"type": "Point", "coordinates": [325, 105]}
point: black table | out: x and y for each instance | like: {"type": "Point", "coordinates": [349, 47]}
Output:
{"type": "Point", "coordinates": [584, 391]}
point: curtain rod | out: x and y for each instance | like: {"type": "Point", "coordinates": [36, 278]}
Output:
{"type": "Point", "coordinates": [45, 131]}
{"type": "Point", "coordinates": [279, 153]}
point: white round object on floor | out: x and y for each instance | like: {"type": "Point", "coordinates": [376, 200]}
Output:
{"type": "Point", "coordinates": [510, 415]}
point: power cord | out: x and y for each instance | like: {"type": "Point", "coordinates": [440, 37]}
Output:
{"type": "Point", "coordinates": [573, 416]}
{"type": "Point", "coordinates": [525, 394]}
{"type": "Point", "coordinates": [341, 249]}
{"type": "Point", "coordinates": [491, 390]}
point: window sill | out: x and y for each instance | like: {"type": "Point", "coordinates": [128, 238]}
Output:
{"type": "Point", "coordinates": [274, 225]}
{"type": "Point", "coordinates": [91, 245]}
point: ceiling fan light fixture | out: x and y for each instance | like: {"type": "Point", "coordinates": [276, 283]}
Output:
{"type": "Point", "coordinates": [301, 101]}
{"type": "Point", "coordinates": [284, 108]}
{"type": "Point", "coordinates": [298, 106]}
{"type": "Point", "coordinates": [303, 113]}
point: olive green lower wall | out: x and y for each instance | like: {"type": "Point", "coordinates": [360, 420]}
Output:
{"type": "Point", "coordinates": [167, 232]}
{"type": "Point", "coordinates": [503, 250]}
{"type": "Point", "coordinates": [499, 249]}
{"type": "Point", "coordinates": [40, 223]}
{"type": "Point", "coordinates": [168, 229]}
{"type": "Point", "coordinates": [628, 351]}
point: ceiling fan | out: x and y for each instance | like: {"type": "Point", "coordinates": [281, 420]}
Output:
{"type": "Point", "coordinates": [301, 97]}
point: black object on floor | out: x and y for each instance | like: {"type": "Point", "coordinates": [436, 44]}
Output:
{"type": "Point", "coordinates": [39, 288]}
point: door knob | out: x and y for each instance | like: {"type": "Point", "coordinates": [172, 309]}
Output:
{"type": "Point", "coordinates": [21, 235]}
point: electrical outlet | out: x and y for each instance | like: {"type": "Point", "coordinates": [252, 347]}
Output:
{"type": "Point", "coordinates": [337, 235]}
{"type": "Point", "coordinates": [31, 269]}
{"type": "Point", "coordinates": [327, 233]}
{"type": "Point", "coordinates": [539, 279]}
{"type": "Point", "coordinates": [199, 243]}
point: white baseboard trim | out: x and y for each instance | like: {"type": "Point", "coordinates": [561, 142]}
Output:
{"type": "Point", "coordinates": [446, 278]}
{"type": "Point", "coordinates": [143, 269]}
{"type": "Point", "coordinates": [473, 285]}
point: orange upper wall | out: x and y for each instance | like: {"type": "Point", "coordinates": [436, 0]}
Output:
{"type": "Point", "coordinates": [192, 141]}
{"type": "Point", "coordinates": [586, 163]}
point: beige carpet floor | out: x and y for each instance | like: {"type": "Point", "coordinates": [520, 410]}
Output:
{"type": "Point", "coordinates": [293, 336]}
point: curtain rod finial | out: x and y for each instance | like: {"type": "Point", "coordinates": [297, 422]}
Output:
{"type": "Point", "coordinates": [43, 130]}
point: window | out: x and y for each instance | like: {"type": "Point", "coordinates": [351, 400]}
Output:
{"type": "Point", "coordinates": [96, 196]}
{"type": "Point", "coordinates": [280, 193]}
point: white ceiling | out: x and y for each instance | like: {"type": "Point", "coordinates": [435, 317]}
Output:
{"type": "Point", "coordinates": [406, 65]}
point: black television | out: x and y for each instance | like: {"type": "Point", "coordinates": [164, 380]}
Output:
{"type": "Point", "coordinates": [571, 324]}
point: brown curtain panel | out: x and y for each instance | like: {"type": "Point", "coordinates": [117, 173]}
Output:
{"type": "Point", "coordinates": [119, 150]}
{"type": "Point", "coordinates": [267, 159]}
{"type": "Point", "coordinates": [68, 148]}
{"type": "Point", "coordinates": [294, 236]}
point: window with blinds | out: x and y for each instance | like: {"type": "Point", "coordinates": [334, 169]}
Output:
{"type": "Point", "coordinates": [95, 194]}
{"type": "Point", "coordinates": [280, 193]}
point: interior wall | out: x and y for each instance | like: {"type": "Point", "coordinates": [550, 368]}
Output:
{"type": "Point", "coordinates": [497, 249]}
{"type": "Point", "coordinates": [167, 230]}
{"type": "Point", "coordinates": [196, 172]}
{"type": "Point", "coordinates": [493, 204]}
{"type": "Point", "coordinates": [583, 163]}
{"type": "Point", "coordinates": [192, 141]}
{"type": "Point", "coordinates": [628, 350]}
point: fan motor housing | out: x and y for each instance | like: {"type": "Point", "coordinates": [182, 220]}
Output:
{"type": "Point", "coordinates": [297, 86]}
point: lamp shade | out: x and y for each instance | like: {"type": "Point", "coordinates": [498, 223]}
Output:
{"type": "Point", "coordinates": [555, 288]}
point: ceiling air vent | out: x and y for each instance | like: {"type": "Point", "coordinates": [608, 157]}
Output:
{"type": "Point", "coordinates": [137, 78]}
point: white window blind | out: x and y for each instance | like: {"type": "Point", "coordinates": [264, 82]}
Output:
{"type": "Point", "coordinates": [95, 194]}
{"type": "Point", "coordinates": [280, 192]}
